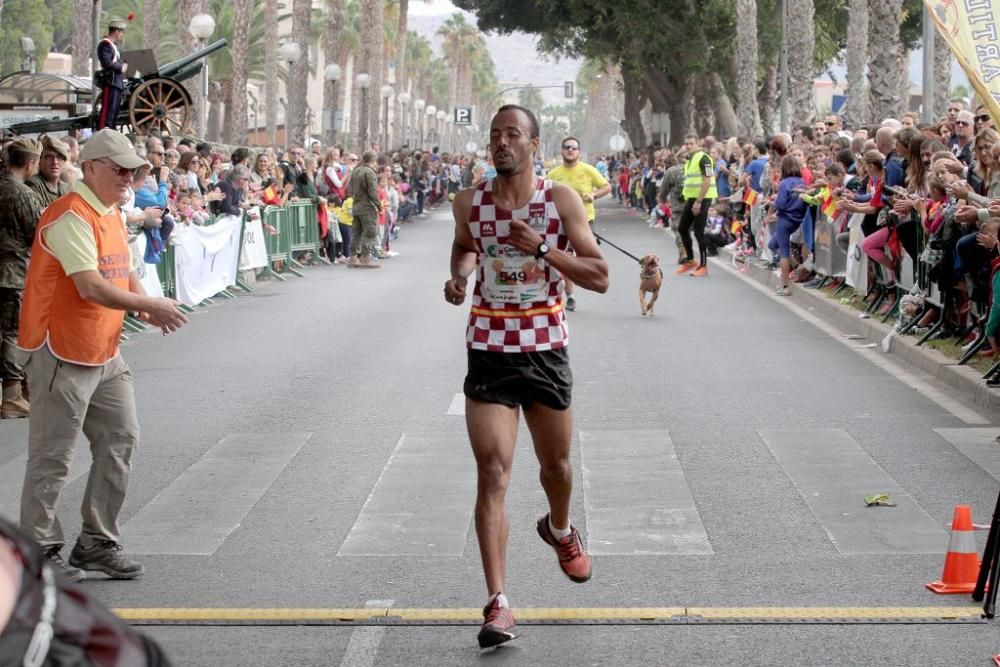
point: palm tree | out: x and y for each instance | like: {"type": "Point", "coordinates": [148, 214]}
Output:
{"type": "Point", "coordinates": [242, 12]}
{"type": "Point", "coordinates": [83, 40]}
{"type": "Point", "coordinates": [856, 112]}
{"type": "Point", "coordinates": [883, 68]}
{"type": "Point", "coordinates": [801, 47]}
{"type": "Point", "coordinates": [301, 19]}
{"type": "Point", "coordinates": [746, 57]}
{"type": "Point", "coordinates": [331, 43]}
{"type": "Point", "coordinates": [150, 23]}
{"type": "Point", "coordinates": [942, 75]}
{"type": "Point", "coordinates": [271, 72]}
{"type": "Point", "coordinates": [371, 64]}
{"type": "Point", "coordinates": [459, 37]}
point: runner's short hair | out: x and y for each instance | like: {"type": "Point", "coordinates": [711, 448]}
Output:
{"type": "Point", "coordinates": [532, 119]}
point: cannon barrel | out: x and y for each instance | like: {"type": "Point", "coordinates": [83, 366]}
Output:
{"type": "Point", "coordinates": [172, 68]}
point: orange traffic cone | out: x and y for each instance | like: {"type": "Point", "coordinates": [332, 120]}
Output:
{"type": "Point", "coordinates": [961, 563]}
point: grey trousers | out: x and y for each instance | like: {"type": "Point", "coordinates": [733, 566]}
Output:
{"type": "Point", "coordinates": [65, 399]}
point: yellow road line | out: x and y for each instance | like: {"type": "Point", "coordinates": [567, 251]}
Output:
{"type": "Point", "coordinates": [555, 614]}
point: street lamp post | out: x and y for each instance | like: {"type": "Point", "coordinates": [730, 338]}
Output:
{"type": "Point", "coordinates": [363, 81]}
{"type": "Point", "coordinates": [403, 129]}
{"type": "Point", "coordinates": [332, 73]}
{"type": "Point", "coordinates": [290, 52]}
{"type": "Point", "coordinates": [201, 28]}
{"type": "Point", "coordinates": [450, 127]}
{"type": "Point", "coordinates": [439, 127]}
{"type": "Point", "coordinates": [418, 108]}
{"type": "Point", "coordinates": [431, 114]}
{"type": "Point", "coordinates": [386, 92]}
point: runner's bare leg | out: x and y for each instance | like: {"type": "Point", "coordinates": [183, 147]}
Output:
{"type": "Point", "coordinates": [492, 432]}
{"type": "Point", "coordinates": [552, 434]}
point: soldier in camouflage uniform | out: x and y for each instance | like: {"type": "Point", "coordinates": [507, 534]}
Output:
{"type": "Point", "coordinates": [47, 183]}
{"type": "Point", "coordinates": [670, 192]}
{"type": "Point", "coordinates": [19, 213]}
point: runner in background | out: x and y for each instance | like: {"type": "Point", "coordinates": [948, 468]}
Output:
{"type": "Point", "coordinates": [587, 181]}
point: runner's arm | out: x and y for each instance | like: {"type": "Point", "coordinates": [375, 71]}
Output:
{"type": "Point", "coordinates": [463, 249]}
{"type": "Point", "coordinates": [587, 268]}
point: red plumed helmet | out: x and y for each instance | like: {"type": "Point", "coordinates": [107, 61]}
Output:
{"type": "Point", "coordinates": [131, 16]}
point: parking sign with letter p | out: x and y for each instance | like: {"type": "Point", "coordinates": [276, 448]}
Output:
{"type": "Point", "coordinates": [463, 115]}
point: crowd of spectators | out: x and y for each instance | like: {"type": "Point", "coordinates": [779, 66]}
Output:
{"type": "Point", "coordinates": [924, 192]}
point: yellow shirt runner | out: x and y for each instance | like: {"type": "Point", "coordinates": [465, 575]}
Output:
{"type": "Point", "coordinates": [583, 178]}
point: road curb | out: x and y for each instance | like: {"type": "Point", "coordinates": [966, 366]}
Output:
{"type": "Point", "coordinates": [964, 379]}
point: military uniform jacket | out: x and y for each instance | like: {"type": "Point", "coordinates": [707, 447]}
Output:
{"type": "Point", "coordinates": [111, 64]}
{"type": "Point", "coordinates": [19, 213]}
{"type": "Point", "coordinates": [46, 195]}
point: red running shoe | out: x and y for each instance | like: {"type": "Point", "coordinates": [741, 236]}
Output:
{"type": "Point", "coordinates": [573, 560]}
{"type": "Point", "coordinates": [498, 627]}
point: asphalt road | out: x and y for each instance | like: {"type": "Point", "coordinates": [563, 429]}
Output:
{"type": "Point", "coordinates": [298, 452]}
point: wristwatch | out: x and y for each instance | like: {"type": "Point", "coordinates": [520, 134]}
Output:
{"type": "Point", "coordinates": [543, 249]}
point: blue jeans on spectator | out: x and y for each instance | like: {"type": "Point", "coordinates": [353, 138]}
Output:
{"type": "Point", "coordinates": [345, 233]}
{"type": "Point", "coordinates": [406, 210]}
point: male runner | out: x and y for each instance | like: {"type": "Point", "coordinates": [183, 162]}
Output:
{"type": "Point", "coordinates": [514, 231]}
{"type": "Point", "coordinates": [588, 183]}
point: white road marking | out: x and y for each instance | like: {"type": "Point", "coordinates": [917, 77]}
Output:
{"type": "Point", "coordinates": [908, 378]}
{"type": "Point", "coordinates": [979, 444]}
{"type": "Point", "coordinates": [198, 510]}
{"type": "Point", "coordinates": [421, 504]}
{"type": "Point", "coordinates": [834, 474]}
{"type": "Point", "coordinates": [636, 498]}
{"type": "Point", "coordinates": [457, 406]}
{"type": "Point", "coordinates": [362, 647]}
{"type": "Point", "coordinates": [12, 479]}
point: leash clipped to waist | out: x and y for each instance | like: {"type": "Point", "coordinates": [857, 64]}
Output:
{"type": "Point", "coordinates": [618, 248]}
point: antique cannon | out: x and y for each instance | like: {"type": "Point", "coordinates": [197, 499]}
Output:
{"type": "Point", "coordinates": [153, 102]}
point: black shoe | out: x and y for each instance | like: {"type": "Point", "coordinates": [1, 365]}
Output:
{"type": "Point", "coordinates": [106, 557]}
{"type": "Point", "coordinates": [55, 558]}
{"type": "Point", "coordinates": [570, 304]}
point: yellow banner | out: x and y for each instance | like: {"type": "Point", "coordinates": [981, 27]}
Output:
{"type": "Point", "coordinates": [972, 30]}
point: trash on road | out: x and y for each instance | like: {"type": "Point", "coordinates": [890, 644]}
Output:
{"type": "Point", "coordinates": [879, 500]}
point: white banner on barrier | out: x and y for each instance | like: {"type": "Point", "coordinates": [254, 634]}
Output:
{"type": "Point", "coordinates": [254, 254]}
{"type": "Point", "coordinates": [857, 260]}
{"type": "Point", "coordinates": [205, 258]}
{"type": "Point", "coordinates": [148, 275]}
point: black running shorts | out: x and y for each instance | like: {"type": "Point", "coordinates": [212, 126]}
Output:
{"type": "Point", "coordinates": [520, 378]}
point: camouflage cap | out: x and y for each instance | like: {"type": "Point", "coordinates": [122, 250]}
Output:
{"type": "Point", "coordinates": [56, 146]}
{"type": "Point", "coordinates": [25, 145]}
{"type": "Point", "coordinates": [117, 24]}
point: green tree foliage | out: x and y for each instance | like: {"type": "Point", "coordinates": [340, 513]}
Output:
{"type": "Point", "coordinates": [62, 24]}
{"type": "Point", "coordinates": [530, 97]}
{"type": "Point", "coordinates": [24, 18]}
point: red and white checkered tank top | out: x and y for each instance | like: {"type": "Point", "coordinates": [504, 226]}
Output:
{"type": "Point", "coordinates": [517, 305]}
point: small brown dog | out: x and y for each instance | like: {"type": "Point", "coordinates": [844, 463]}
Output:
{"type": "Point", "coordinates": [650, 280]}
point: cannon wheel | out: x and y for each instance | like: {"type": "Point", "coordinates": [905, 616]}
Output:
{"type": "Point", "coordinates": [159, 105]}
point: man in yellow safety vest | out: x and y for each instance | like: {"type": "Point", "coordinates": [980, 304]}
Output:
{"type": "Point", "coordinates": [699, 191]}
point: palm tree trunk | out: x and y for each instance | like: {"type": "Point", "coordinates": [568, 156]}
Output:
{"type": "Point", "coordinates": [766, 98]}
{"type": "Point", "coordinates": [188, 44]}
{"type": "Point", "coordinates": [271, 72]}
{"type": "Point", "coordinates": [331, 54]}
{"type": "Point", "coordinates": [298, 86]}
{"type": "Point", "coordinates": [801, 71]}
{"type": "Point", "coordinates": [856, 111]}
{"type": "Point", "coordinates": [404, 8]}
{"type": "Point", "coordinates": [83, 38]}
{"type": "Point", "coordinates": [904, 78]}
{"type": "Point", "coordinates": [746, 54]}
{"type": "Point", "coordinates": [371, 46]}
{"type": "Point", "coordinates": [236, 108]}
{"type": "Point", "coordinates": [883, 69]}
{"type": "Point", "coordinates": [942, 76]}
{"type": "Point", "coordinates": [150, 23]}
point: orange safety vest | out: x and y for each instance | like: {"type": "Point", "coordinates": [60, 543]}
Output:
{"type": "Point", "coordinates": [53, 312]}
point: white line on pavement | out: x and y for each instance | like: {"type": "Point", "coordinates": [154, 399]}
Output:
{"type": "Point", "coordinates": [362, 647]}
{"type": "Point", "coordinates": [457, 406]}
{"type": "Point", "coordinates": [908, 378]}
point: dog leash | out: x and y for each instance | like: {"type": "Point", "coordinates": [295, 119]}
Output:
{"type": "Point", "coordinates": [621, 250]}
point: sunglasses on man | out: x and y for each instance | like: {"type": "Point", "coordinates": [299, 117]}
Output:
{"type": "Point", "coordinates": [567, 147]}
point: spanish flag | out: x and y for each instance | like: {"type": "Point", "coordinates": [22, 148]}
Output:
{"type": "Point", "coordinates": [749, 196]}
{"type": "Point", "coordinates": [827, 204]}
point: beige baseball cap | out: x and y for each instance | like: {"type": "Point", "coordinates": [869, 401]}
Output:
{"type": "Point", "coordinates": [113, 145]}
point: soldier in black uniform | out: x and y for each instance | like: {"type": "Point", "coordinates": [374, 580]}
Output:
{"type": "Point", "coordinates": [111, 78]}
